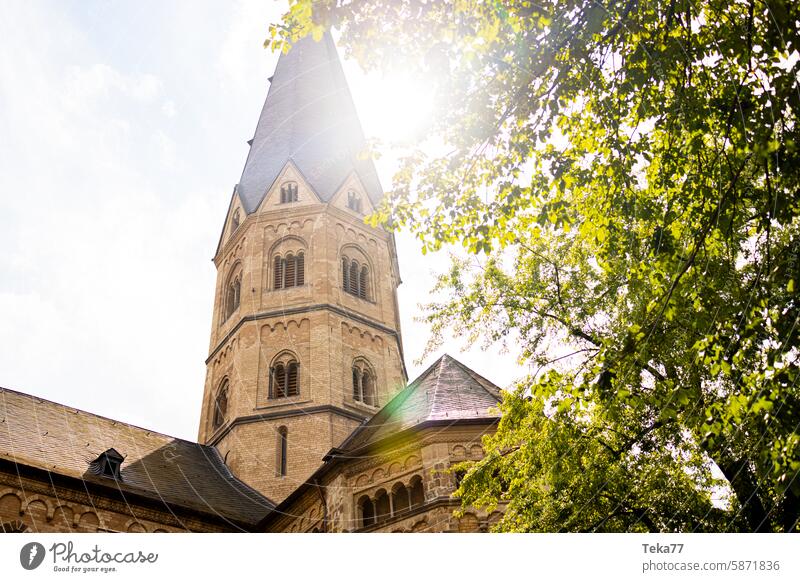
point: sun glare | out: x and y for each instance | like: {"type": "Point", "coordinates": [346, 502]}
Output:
{"type": "Point", "coordinates": [396, 110]}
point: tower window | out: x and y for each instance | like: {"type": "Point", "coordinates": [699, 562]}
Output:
{"type": "Point", "coordinates": [282, 450]}
{"type": "Point", "coordinates": [233, 295]}
{"type": "Point", "coordinates": [355, 278]}
{"type": "Point", "coordinates": [289, 271]}
{"type": "Point", "coordinates": [284, 378]}
{"type": "Point", "coordinates": [354, 201]}
{"type": "Point", "coordinates": [363, 384]}
{"type": "Point", "coordinates": [289, 192]}
{"type": "Point", "coordinates": [221, 405]}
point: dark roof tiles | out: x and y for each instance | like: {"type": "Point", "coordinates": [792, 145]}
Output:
{"type": "Point", "coordinates": [308, 118]}
{"type": "Point", "coordinates": [64, 440]}
{"type": "Point", "coordinates": [448, 390]}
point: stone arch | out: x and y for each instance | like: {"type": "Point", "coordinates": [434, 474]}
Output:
{"type": "Point", "coordinates": [476, 451]}
{"type": "Point", "coordinates": [411, 461]}
{"type": "Point", "coordinates": [231, 291]}
{"type": "Point", "coordinates": [401, 498]}
{"type": "Point", "coordinates": [364, 382]}
{"type": "Point", "coordinates": [459, 452]}
{"type": "Point", "coordinates": [377, 475]}
{"type": "Point", "coordinates": [382, 505]}
{"type": "Point", "coordinates": [366, 511]}
{"type": "Point", "coordinates": [10, 504]}
{"type": "Point", "coordinates": [64, 517]}
{"type": "Point", "coordinates": [395, 468]}
{"type": "Point", "coordinates": [356, 272]}
{"type": "Point", "coordinates": [38, 512]}
{"type": "Point", "coordinates": [220, 403]}
{"type": "Point", "coordinates": [286, 266]}
{"type": "Point", "coordinates": [416, 491]}
{"type": "Point", "coordinates": [284, 375]}
{"type": "Point", "coordinates": [362, 480]}
{"type": "Point", "coordinates": [89, 521]}
{"type": "Point", "coordinates": [134, 526]}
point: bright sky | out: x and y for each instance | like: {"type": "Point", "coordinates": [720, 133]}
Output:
{"type": "Point", "coordinates": [124, 129]}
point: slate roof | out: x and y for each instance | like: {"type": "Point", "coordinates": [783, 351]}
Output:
{"type": "Point", "coordinates": [64, 440]}
{"type": "Point", "coordinates": [447, 391]}
{"type": "Point", "coordinates": [308, 118]}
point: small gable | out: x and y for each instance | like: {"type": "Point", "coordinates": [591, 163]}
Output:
{"type": "Point", "coordinates": [352, 198]}
{"type": "Point", "coordinates": [108, 464]}
{"type": "Point", "coordinates": [290, 189]}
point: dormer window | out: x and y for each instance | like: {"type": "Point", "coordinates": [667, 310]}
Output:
{"type": "Point", "coordinates": [107, 464]}
{"type": "Point", "coordinates": [354, 201]}
{"type": "Point", "coordinates": [289, 192]}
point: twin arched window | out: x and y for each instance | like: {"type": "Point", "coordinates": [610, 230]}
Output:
{"type": "Point", "coordinates": [220, 405]}
{"type": "Point", "coordinates": [363, 384]}
{"type": "Point", "coordinates": [354, 201]}
{"type": "Point", "coordinates": [233, 294]}
{"type": "Point", "coordinates": [289, 270]}
{"type": "Point", "coordinates": [284, 377]}
{"type": "Point", "coordinates": [288, 192]}
{"type": "Point", "coordinates": [355, 278]}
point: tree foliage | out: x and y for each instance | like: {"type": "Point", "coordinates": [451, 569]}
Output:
{"type": "Point", "coordinates": [627, 174]}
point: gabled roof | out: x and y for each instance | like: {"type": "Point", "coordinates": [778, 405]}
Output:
{"type": "Point", "coordinates": [447, 391]}
{"type": "Point", "coordinates": [181, 474]}
{"type": "Point", "coordinates": [308, 118]}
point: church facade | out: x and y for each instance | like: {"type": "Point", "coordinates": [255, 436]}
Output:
{"type": "Point", "coordinates": [308, 420]}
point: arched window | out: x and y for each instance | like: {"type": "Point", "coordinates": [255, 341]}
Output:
{"type": "Point", "coordinates": [354, 201]}
{"type": "Point", "coordinates": [289, 271]}
{"type": "Point", "coordinates": [282, 451]}
{"type": "Point", "coordinates": [221, 405]}
{"type": "Point", "coordinates": [233, 295]}
{"type": "Point", "coordinates": [288, 192]}
{"type": "Point", "coordinates": [235, 221]}
{"type": "Point", "coordinates": [284, 377]}
{"type": "Point", "coordinates": [363, 383]}
{"type": "Point", "coordinates": [383, 509]}
{"type": "Point", "coordinates": [416, 493]}
{"type": "Point", "coordinates": [355, 276]}
{"type": "Point", "coordinates": [401, 499]}
{"type": "Point", "coordinates": [366, 510]}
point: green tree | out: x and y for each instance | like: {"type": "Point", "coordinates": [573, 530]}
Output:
{"type": "Point", "coordinates": [626, 175]}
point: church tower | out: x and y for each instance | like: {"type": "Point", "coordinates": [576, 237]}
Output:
{"type": "Point", "coordinates": [305, 339]}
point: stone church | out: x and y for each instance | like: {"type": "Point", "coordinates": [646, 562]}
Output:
{"type": "Point", "coordinates": [308, 422]}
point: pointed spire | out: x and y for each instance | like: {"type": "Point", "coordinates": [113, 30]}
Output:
{"type": "Point", "coordinates": [308, 118]}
